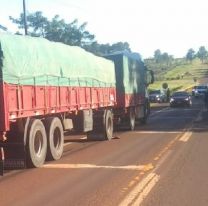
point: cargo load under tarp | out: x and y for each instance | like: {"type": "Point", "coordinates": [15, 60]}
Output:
{"type": "Point", "coordinates": [36, 61]}
{"type": "Point", "coordinates": [131, 74]}
{"type": "Point", "coordinates": [131, 79]}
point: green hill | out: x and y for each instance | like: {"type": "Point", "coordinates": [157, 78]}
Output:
{"type": "Point", "coordinates": [181, 76]}
{"type": "Point", "coordinates": [188, 71]}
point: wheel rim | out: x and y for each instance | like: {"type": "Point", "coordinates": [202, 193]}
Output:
{"type": "Point", "coordinates": [38, 143]}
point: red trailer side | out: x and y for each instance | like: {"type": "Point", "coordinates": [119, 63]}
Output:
{"type": "Point", "coordinates": [21, 101]}
{"type": "Point", "coordinates": [4, 117]}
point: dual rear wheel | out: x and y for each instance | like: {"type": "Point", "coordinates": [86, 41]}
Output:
{"type": "Point", "coordinates": [44, 141]}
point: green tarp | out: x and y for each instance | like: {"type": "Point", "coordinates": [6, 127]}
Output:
{"type": "Point", "coordinates": [29, 60]}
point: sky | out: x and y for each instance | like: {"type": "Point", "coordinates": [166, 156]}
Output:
{"type": "Point", "coordinates": [173, 26]}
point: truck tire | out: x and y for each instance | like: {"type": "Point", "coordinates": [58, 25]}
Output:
{"type": "Point", "coordinates": [105, 129]}
{"type": "Point", "coordinates": [55, 138]}
{"type": "Point", "coordinates": [36, 144]}
{"type": "Point", "coordinates": [109, 125]}
{"type": "Point", "coordinates": [131, 119]}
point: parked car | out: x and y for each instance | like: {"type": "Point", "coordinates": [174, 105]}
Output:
{"type": "Point", "coordinates": [198, 91]}
{"type": "Point", "coordinates": [181, 98]}
{"type": "Point", "coordinates": [157, 96]}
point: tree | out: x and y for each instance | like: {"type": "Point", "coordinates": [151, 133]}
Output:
{"type": "Point", "coordinates": [165, 58]}
{"type": "Point", "coordinates": [190, 55]}
{"type": "Point", "coordinates": [105, 49]}
{"type": "Point", "coordinates": [157, 56]}
{"type": "Point", "coordinates": [120, 46]}
{"type": "Point", "coordinates": [162, 58]}
{"type": "Point", "coordinates": [36, 23]}
{"type": "Point", "coordinates": [68, 33]}
{"type": "Point", "coordinates": [56, 29]}
{"type": "Point", "coordinates": [202, 53]}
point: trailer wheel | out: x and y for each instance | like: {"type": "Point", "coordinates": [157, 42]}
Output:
{"type": "Point", "coordinates": [36, 144]}
{"type": "Point", "coordinates": [131, 119]}
{"type": "Point", "coordinates": [104, 131]}
{"type": "Point", "coordinates": [109, 125]}
{"type": "Point", "coordinates": [55, 138]}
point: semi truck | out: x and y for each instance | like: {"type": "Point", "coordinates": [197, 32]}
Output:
{"type": "Point", "coordinates": [47, 88]}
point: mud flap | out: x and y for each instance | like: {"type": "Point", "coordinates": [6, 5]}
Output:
{"type": "Point", "coordinates": [14, 156]}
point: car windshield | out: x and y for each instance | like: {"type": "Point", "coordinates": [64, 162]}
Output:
{"type": "Point", "coordinates": [155, 92]}
{"type": "Point", "coordinates": [176, 94]}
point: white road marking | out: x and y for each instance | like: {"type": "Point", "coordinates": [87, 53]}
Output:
{"type": "Point", "coordinates": [141, 190]}
{"type": "Point", "coordinates": [186, 136]}
{"type": "Point", "coordinates": [91, 166]}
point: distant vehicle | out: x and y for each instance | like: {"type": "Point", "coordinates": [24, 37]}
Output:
{"type": "Point", "coordinates": [181, 98]}
{"type": "Point", "coordinates": [157, 96]}
{"type": "Point", "coordinates": [199, 90]}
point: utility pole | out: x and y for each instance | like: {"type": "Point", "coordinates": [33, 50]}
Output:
{"type": "Point", "coordinates": [25, 17]}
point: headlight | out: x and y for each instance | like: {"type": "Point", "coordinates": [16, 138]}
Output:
{"type": "Point", "coordinates": [187, 99]}
{"type": "Point", "coordinates": [157, 96]}
{"type": "Point", "coordinates": [171, 99]}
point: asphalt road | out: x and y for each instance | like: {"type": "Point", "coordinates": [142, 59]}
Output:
{"type": "Point", "coordinates": [162, 163]}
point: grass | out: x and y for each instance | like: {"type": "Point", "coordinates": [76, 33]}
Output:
{"type": "Point", "coordinates": [195, 69]}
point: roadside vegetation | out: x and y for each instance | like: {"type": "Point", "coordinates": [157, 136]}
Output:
{"type": "Point", "coordinates": [179, 74]}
